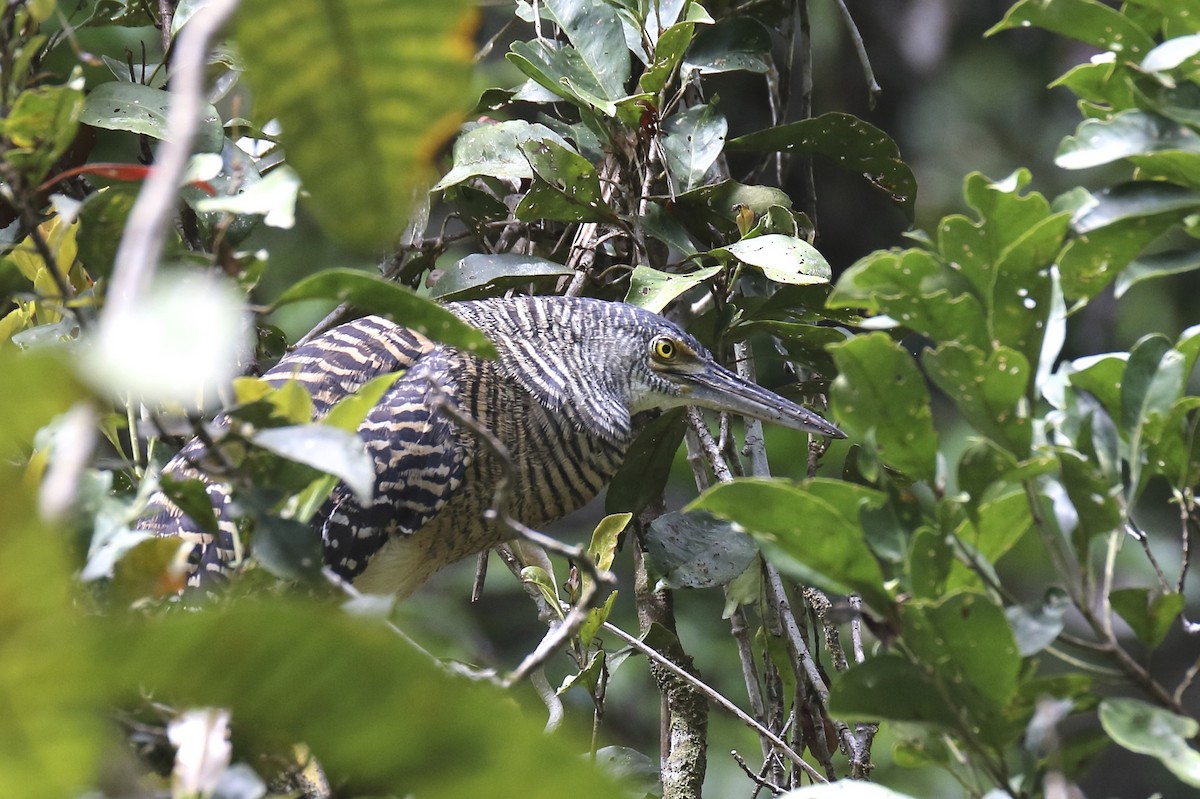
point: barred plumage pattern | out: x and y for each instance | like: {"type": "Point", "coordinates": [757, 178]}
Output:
{"type": "Point", "coordinates": [560, 397]}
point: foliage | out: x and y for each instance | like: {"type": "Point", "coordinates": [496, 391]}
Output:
{"type": "Point", "coordinates": [602, 165]}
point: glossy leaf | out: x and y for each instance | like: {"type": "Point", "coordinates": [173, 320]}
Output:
{"type": "Point", "coordinates": [41, 124]}
{"type": "Point", "coordinates": [396, 76]}
{"type": "Point", "coordinates": [329, 449]}
{"type": "Point", "coordinates": [486, 275]}
{"type": "Point", "coordinates": [566, 187]}
{"type": "Point", "coordinates": [807, 537]}
{"type": "Point", "coordinates": [692, 140]}
{"type": "Point", "coordinates": [140, 109]}
{"type": "Point", "coordinates": [986, 388]}
{"type": "Point", "coordinates": [850, 142]}
{"type": "Point", "coordinates": [784, 259]}
{"type": "Point", "coordinates": [879, 396]}
{"type": "Point", "coordinates": [1086, 20]}
{"type": "Point", "coordinates": [1132, 132]}
{"type": "Point", "coordinates": [732, 45]}
{"type": "Point", "coordinates": [383, 297]}
{"type": "Point", "coordinates": [1148, 267]}
{"type": "Point", "coordinates": [697, 550]}
{"type": "Point", "coordinates": [717, 204]}
{"type": "Point", "coordinates": [494, 150]}
{"type": "Point", "coordinates": [1148, 730]}
{"type": "Point", "coordinates": [654, 290]}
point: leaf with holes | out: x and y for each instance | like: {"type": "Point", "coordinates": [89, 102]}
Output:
{"type": "Point", "coordinates": [565, 188]}
{"type": "Point", "coordinates": [784, 259]}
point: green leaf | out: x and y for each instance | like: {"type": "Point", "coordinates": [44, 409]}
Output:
{"type": "Point", "coordinates": [41, 124]}
{"type": "Point", "coordinates": [783, 259]}
{"type": "Point", "coordinates": [349, 412]}
{"type": "Point", "coordinates": [1001, 523]}
{"type": "Point", "coordinates": [697, 550]}
{"type": "Point", "coordinates": [101, 222]}
{"type": "Point", "coordinates": [1149, 618]}
{"type": "Point", "coordinates": [643, 475]}
{"type": "Point", "coordinates": [692, 140]}
{"type": "Point", "coordinates": [494, 150]}
{"type": "Point", "coordinates": [329, 449]}
{"type": "Point", "coordinates": [595, 32]}
{"type": "Point", "coordinates": [1085, 20]}
{"type": "Point", "coordinates": [668, 52]}
{"type": "Point", "coordinates": [396, 76]}
{"type": "Point", "coordinates": [383, 297]}
{"type": "Point", "coordinates": [1148, 730]}
{"type": "Point", "coordinates": [879, 396]}
{"type": "Point", "coordinates": [487, 275]}
{"type": "Point", "coordinates": [654, 290]}
{"type": "Point", "coordinates": [1153, 381]}
{"type": "Point", "coordinates": [191, 497]}
{"type": "Point", "coordinates": [1132, 132]}
{"type": "Point", "coordinates": [888, 687]}
{"type": "Point", "coordinates": [566, 187]}
{"type": "Point", "coordinates": [1157, 265]}
{"type": "Point", "coordinates": [140, 109]}
{"type": "Point", "coordinates": [852, 143]}
{"type": "Point", "coordinates": [805, 536]}
{"type": "Point", "coordinates": [287, 548]}
{"type": "Point", "coordinates": [717, 204]}
{"type": "Point", "coordinates": [986, 388]}
{"type": "Point", "coordinates": [1135, 200]}
{"type": "Point", "coordinates": [731, 45]}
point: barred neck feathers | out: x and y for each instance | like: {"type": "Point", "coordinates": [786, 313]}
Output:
{"type": "Point", "coordinates": [561, 350]}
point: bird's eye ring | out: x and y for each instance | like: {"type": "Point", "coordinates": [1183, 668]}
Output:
{"type": "Point", "coordinates": [664, 348]}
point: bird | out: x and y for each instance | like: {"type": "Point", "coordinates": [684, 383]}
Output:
{"type": "Point", "coordinates": [561, 398]}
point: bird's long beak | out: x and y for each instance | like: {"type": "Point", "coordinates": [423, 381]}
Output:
{"type": "Point", "coordinates": [719, 389]}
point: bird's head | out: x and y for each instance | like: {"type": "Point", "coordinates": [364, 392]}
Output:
{"type": "Point", "coordinates": [674, 369]}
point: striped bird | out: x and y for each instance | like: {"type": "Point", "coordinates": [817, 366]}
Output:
{"type": "Point", "coordinates": [571, 374]}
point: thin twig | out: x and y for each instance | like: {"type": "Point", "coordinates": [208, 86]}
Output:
{"type": "Point", "coordinates": [715, 697]}
{"type": "Point", "coordinates": [757, 777]}
{"type": "Point", "coordinates": [142, 241]}
{"type": "Point", "coordinates": [873, 89]}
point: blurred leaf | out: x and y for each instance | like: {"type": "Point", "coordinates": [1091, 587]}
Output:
{"type": "Point", "coordinates": [329, 449]}
{"type": "Point", "coordinates": [731, 45]}
{"type": "Point", "coordinates": [41, 124]}
{"type": "Point", "coordinates": [1154, 266]}
{"type": "Point", "coordinates": [371, 293]}
{"type": "Point", "coordinates": [191, 497]}
{"type": "Point", "coordinates": [717, 204]}
{"type": "Point", "coordinates": [396, 76]}
{"type": "Point", "coordinates": [880, 396]}
{"type": "Point", "coordinates": [287, 548]}
{"type": "Point", "coordinates": [1149, 618]}
{"type": "Point", "coordinates": [1148, 730]}
{"type": "Point", "coordinates": [349, 412]}
{"type": "Point", "coordinates": [1135, 200]}
{"type": "Point", "coordinates": [273, 198]}
{"type": "Point", "coordinates": [805, 536]}
{"type": "Point", "coordinates": [140, 109]}
{"type": "Point", "coordinates": [566, 187]}
{"type": "Point", "coordinates": [845, 789]}
{"type": "Point", "coordinates": [697, 550]}
{"type": "Point", "coordinates": [635, 770]}
{"type": "Point", "coordinates": [486, 275]}
{"type": "Point", "coordinates": [101, 222]}
{"type": "Point", "coordinates": [654, 290]}
{"type": "Point", "coordinates": [1036, 625]}
{"type": "Point", "coordinates": [852, 143]}
{"type": "Point", "coordinates": [784, 259]}
{"type": "Point", "coordinates": [1085, 20]}
{"type": "Point", "coordinates": [692, 140]}
{"type": "Point", "coordinates": [647, 465]}
{"type": "Point", "coordinates": [494, 150]}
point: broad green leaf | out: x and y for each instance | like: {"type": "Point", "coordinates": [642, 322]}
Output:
{"type": "Point", "coordinates": [191, 497]}
{"type": "Point", "coordinates": [101, 222]}
{"type": "Point", "coordinates": [349, 412]}
{"type": "Point", "coordinates": [717, 204]}
{"type": "Point", "coordinates": [692, 140]}
{"type": "Point", "coordinates": [1172, 53]}
{"type": "Point", "coordinates": [1001, 522]}
{"type": "Point", "coordinates": [603, 546]}
{"type": "Point", "coordinates": [1136, 200]}
{"type": "Point", "coordinates": [879, 396]}
{"type": "Point", "coordinates": [595, 32]}
{"type": "Point", "coordinates": [804, 535]}
{"type": "Point", "coordinates": [668, 52]}
{"type": "Point", "coordinates": [851, 143]}
{"type": "Point", "coordinates": [966, 642]}
{"type": "Point", "coordinates": [986, 388]}
{"type": "Point", "coordinates": [140, 109]}
{"type": "Point", "coordinates": [1150, 618]}
{"type": "Point", "coordinates": [41, 125]}
{"type": "Point", "coordinates": [329, 449]}
{"type": "Point", "coordinates": [1156, 265]}
{"type": "Point", "coordinates": [1091, 261]}
{"type": "Point", "coordinates": [494, 150]}
{"type": "Point", "coordinates": [643, 475]}
{"type": "Point", "coordinates": [376, 295]}
{"type": "Point", "coordinates": [1100, 375]}
{"type": "Point", "coordinates": [566, 187]}
{"type": "Point", "coordinates": [889, 687]}
{"type": "Point", "coordinates": [40, 385]}
{"type": "Point", "coordinates": [696, 550]}
{"type": "Point", "coordinates": [1148, 730]}
{"type": "Point", "coordinates": [1088, 21]}
{"type": "Point", "coordinates": [662, 224]}
{"type": "Point", "coordinates": [654, 290]}
{"type": "Point", "coordinates": [783, 259]}
{"type": "Point", "coordinates": [1095, 495]}
{"type": "Point", "coordinates": [394, 75]}
{"type": "Point", "coordinates": [731, 45]}
{"type": "Point", "coordinates": [1153, 381]}
{"type": "Point", "coordinates": [486, 275]}
{"type": "Point", "coordinates": [1132, 132]}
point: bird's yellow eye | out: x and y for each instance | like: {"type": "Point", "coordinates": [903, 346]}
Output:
{"type": "Point", "coordinates": [664, 348]}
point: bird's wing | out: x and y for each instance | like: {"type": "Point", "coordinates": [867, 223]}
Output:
{"type": "Point", "coordinates": [420, 461]}
{"type": "Point", "coordinates": [331, 366]}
